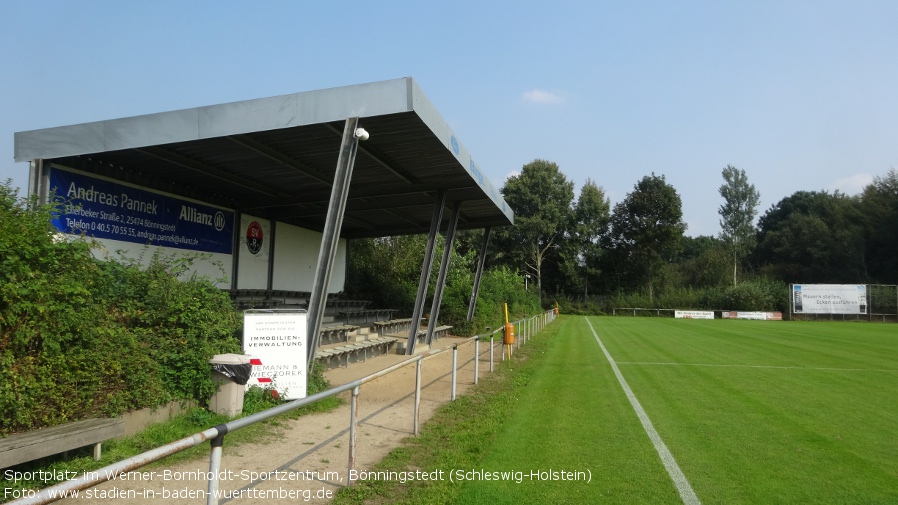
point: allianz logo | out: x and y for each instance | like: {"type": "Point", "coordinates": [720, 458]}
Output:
{"type": "Point", "coordinates": [193, 215]}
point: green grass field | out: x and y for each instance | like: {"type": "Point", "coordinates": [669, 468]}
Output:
{"type": "Point", "coordinates": [769, 412]}
{"type": "Point", "coordinates": [751, 412]}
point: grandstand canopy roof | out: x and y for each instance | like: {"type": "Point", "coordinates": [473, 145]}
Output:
{"type": "Point", "coordinates": [276, 158]}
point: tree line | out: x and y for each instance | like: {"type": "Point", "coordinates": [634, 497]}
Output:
{"type": "Point", "coordinates": [583, 245]}
{"type": "Point", "coordinates": [579, 249]}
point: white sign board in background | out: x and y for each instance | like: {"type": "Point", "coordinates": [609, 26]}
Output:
{"type": "Point", "coordinates": [276, 342]}
{"type": "Point", "coordinates": [694, 314]}
{"type": "Point", "coordinates": [759, 316]}
{"type": "Point", "coordinates": [829, 298]}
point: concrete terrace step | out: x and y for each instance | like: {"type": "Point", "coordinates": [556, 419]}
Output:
{"type": "Point", "coordinates": [332, 355]}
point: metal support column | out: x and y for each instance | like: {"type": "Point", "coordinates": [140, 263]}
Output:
{"type": "Point", "coordinates": [35, 171]}
{"type": "Point", "coordinates": [39, 180]}
{"type": "Point", "coordinates": [235, 257]}
{"type": "Point", "coordinates": [269, 282]}
{"type": "Point", "coordinates": [426, 266]}
{"type": "Point", "coordinates": [444, 270]}
{"type": "Point", "coordinates": [331, 235]}
{"type": "Point", "coordinates": [480, 262]}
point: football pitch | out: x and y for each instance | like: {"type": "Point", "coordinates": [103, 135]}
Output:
{"type": "Point", "coordinates": [690, 411]}
{"type": "Point", "coordinates": [630, 410]}
{"type": "Point", "coordinates": [762, 412]}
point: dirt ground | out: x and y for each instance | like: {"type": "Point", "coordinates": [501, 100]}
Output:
{"type": "Point", "coordinates": [308, 460]}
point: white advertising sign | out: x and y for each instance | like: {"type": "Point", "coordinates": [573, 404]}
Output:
{"type": "Point", "coordinates": [759, 316]}
{"type": "Point", "coordinates": [276, 342]}
{"type": "Point", "coordinates": [694, 314]}
{"type": "Point", "coordinates": [829, 298]}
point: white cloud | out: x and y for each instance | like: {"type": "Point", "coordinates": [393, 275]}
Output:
{"type": "Point", "coordinates": [543, 97]}
{"type": "Point", "coordinates": [852, 185]}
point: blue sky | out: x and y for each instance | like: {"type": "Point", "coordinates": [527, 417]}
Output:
{"type": "Point", "coordinates": [802, 95]}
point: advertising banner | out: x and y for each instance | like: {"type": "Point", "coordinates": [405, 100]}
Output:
{"type": "Point", "coordinates": [829, 298]}
{"type": "Point", "coordinates": [276, 342]}
{"type": "Point", "coordinates": [759, 316]}
{"type": "Point", "coordinates": [104, 209]}
{"type": "Point", "coordinates": [694, 314]}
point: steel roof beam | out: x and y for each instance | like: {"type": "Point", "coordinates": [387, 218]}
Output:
{"type": "Point", "coordinates": [277, 156]}
{"type": "Point", "coordinates": [204, 169]}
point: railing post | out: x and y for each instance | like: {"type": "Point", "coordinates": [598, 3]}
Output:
{"type": "Point", "coordinates": [353, 418]}
{"type": "Point", "coordinates": [491, 352]}
{"type": "Point", "coordinates": [417, 392]}
{"type": "Point", "coordinates": [215, 465]}
{"type": "Point", "coordinates": [476, 359]}
{"type": "Point", "coordinates": [454, 371]}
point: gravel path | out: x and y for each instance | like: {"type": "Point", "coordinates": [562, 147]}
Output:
{"type": "Point", "coordinates": [308, 459]}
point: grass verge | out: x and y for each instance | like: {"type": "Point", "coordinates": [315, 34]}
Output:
{"type": "Point", "coordinates": [550, 426]}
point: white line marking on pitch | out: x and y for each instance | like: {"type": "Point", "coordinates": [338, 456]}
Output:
{"type": "Point", "coordinates": [673, 469]}
{"type": "Point", "coordinates": [757, 366]}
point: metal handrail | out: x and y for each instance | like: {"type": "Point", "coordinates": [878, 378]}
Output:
{"type": "Point", "coordinates": [215, 435]}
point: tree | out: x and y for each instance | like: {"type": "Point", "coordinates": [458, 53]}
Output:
{"type": "Point", "coordinates": [813, 236]}
{"type": "Point", "coordinates": [879, 203]}
{"type": "Point", "coordinates": [591, 216]}
{"type": "Point", "coordinates": [737, 214]}
{"type": "Point", "coordinates": [541, 198]}
{"type": "Point", "coordinates": [702, 263]}
{"type": "Point", "coordinates": [386, 270]}
{"type": "Point", "coordinates": [646, 230]}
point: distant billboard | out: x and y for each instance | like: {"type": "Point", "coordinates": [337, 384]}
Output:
{"type": "Point", "coordinates": [829, 298]}
{"type": "Point", "coordinates": [105, 209]}
{"type": "Point", "coordinates": [758, 316]}
{"type": "Point", "coordinates": [694, 314]}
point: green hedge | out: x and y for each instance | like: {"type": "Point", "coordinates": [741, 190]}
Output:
{"type": "Point", "coordinates": [82, 338]}
{"type": "Point", "coordinates": [759, 294]}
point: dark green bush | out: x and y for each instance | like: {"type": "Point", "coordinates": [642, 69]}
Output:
{"type": "Point", "coordinates": [498, 287]}
{"type": "Point", "coordinates": [82, 338]}
{"type": "Point", "coordinates": [387, 270]}
{"type": "Point", "coordinates": [186, 318]}
{"type": "Point", "coordinates": [592, 306]}
{"type": "Point", "coordinates": [758, 294]}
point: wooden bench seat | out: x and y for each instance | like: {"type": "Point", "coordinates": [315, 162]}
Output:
{"type": "Point", "coordinates": [23, 447]}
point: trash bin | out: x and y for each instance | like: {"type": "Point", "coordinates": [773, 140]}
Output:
{"type": "Point", "coordinates": [230, 373]}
